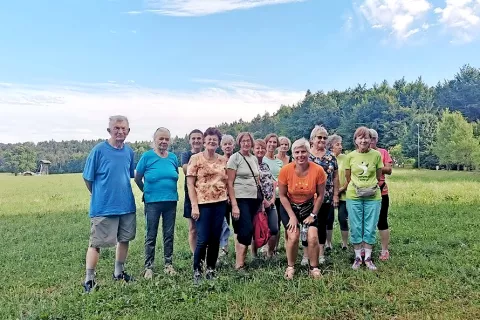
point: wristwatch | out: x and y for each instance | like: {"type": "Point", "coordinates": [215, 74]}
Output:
{"type": "Point", "coordinates": [313, 215]}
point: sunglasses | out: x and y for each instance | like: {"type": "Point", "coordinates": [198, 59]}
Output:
{"type": "Point", "coordinates": [322, 137]}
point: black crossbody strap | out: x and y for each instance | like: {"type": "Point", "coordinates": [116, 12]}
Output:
{"type": "Point", "coordinates": [248, 164]}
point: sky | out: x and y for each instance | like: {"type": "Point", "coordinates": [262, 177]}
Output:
{"type": "Point", "coordinates": [66, 66]}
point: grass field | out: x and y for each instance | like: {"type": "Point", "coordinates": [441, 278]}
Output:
{"type": "Point", "coordinates": [434, 272]}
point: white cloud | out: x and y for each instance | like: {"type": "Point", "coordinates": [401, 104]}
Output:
{"type": "Point", "coordinates": [461, 18]}
{"type": "Point", "coordinates": [401, 18]}
{"type": "Point", "coordinates": [81, 111]}
{"type": "Point", "coordinates": [188, 8]}
{"type": "Point", "coordinates": [133, 13]}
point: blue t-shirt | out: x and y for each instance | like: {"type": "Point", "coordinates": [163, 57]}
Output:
{"type": "Point", "coordinates": [110, 170]}
{"type": "Point", "coordinates": [160, 176]}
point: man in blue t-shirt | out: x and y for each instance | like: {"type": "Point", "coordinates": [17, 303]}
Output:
{"type": "Point", "coordinates": [107, 173]}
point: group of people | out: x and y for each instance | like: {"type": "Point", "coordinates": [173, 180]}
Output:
{"type": "Point", "coordinates": [300, 191]}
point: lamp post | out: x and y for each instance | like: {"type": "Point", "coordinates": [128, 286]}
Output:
{"type": "Point", "coordinates": [418, 145]}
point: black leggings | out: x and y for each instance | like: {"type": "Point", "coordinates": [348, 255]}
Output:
{"type": "Point", "coordinates": [325, 214]}
{"type": "Point", "coordinates": [382, 221]}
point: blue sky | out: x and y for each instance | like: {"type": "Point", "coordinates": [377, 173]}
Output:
{"type": "Point", "coordinates": [150, 58]}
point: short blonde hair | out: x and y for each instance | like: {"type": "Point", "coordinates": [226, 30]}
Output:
{"type": "Point", "coordinates": [301, 143]}
{"type": "Point", "coordinates": [242, 134]}
{"type": "Point", "coordinates": [261, 143]}
{"type": "Point", "coordinates": [316, 130]}
{"type": "Point", "coordinates": [284, 138]}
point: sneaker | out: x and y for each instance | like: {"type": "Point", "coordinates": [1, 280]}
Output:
{"type": "Point", "coordinates": [210, 274]}
{"type": "Point", "coordinates": [315, 273]}
{"type": "Point", "coordinates": [148, 274]}
{"type": "Point", "coordinates": [289, 272]}
{"type": "Point", "coordinates": [370, 265]}
{"type": "Point", "coordinates": [344, 248]}
{"type": "Point", "coordinates": [89, 286]}
{"type": "Point", "coordinates": [197, 277]}
{"type": "Point", "coordinates": [357, 263]}
{"type": "Point", "coordinates": [123, 276]}
{"type": "Point", "coordinates": [169, 270]}
{"type": "Point", "coordinates": [321, 260]}
{"type": "Point", "coordinates": [328, 249]}
{"type": "Point", "coordinates": [384, 256]}
{"type": "Point", "coordinates": [304, 262]}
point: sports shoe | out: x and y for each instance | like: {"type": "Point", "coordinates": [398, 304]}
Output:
{"type": "Point", "coordinates": [384, 255]}
{"type": "Point", "coordinates": [357, 263]}
{"type": "Point", "coordinates": [304, 261]}
{"type": "Point", "coordinates": [370, 265]}
{"type": "Point", "coordinates": [315, 273]}
{"type": "Point", "coordinates": [344, 248]}
{"type": "Point", "coordinates": [321, 260]}
{"type": "Point", "coordinates": [148, 274]}
{"type": "Point", "coordinates": [197, 277]}
{"type": "Point", "coordinates": [210, 274]}
{"type": "Point", "coordinates": [89, 286]}
{"type": "Point", "coordinates": [289, 272]}
{"type": "Point", "coordinates": [169, 270]}
{"type": "Point", "coordinates": [123, 276]}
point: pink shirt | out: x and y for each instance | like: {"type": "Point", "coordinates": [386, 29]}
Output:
{"type": "Point", "coordinates": [386, 159]}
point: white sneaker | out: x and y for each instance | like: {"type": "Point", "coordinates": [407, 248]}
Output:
{"type": "Point", "coordinates": [148, 274]}
{"type": "Point", "coordinates": [304, 261]}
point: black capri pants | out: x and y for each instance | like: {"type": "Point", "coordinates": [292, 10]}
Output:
{"type": "Point", "coordinates": [383, 221]}
{"type": "Point", "coordinates": [243, 227]}
{"type": "Point", "coordinates": [343, 215]}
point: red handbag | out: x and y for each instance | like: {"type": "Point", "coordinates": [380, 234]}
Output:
{"type": "Point", "coordinates": [261, 232]}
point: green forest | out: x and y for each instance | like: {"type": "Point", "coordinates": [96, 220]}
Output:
{"type": "Point", "coordinates": [445, 118]}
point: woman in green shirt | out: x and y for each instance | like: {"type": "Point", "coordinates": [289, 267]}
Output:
{"type": "Point", "coordinates": [363, 169]}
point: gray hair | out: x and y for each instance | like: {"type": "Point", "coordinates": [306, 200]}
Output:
{"type": "Point", "coordinates": [334, 138]}
{"type": "Point", "coordinates": [285, 138]}
{"type": "Point", "coordinates": [373, 133]}
{"type": "Point", "coordinates": [226, 138]}
{"type": "Point", "coordinates": [161, 129]}
{"type": "Point", "coordinates": [316, 130]}
{"type": "Point", "coordinates": [117, 118]}
{"type": "Point", "coordinates": [301, 143]}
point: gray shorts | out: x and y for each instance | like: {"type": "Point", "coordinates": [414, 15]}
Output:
{"type": "Point", "coordinates": [107, 231]}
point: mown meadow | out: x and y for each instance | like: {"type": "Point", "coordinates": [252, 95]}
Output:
{"type": "Point", "coordinates": [434, 271]}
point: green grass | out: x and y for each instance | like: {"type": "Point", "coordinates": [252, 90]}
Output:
{"type": "Point", "coordinates": [433, 274]}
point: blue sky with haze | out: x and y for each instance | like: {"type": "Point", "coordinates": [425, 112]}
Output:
{"type": "Point", "coordinates": [195, 63]}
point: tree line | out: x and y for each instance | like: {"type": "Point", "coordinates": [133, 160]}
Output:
{"type": "Point", "coordinates": [446, 118]}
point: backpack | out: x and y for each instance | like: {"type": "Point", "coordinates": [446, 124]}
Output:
{"type": "Point", "coordinates": [261, 232]}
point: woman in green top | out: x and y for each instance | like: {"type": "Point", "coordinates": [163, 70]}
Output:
{"type": "Point", "coordinates": [334, 144]}
{"type": "Point", "coordinates": [363, 170]}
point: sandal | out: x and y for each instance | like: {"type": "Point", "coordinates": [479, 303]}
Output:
{"type": "Point", "coordinates": [315, 273]}
{"type": "Point", "coordinates": [289, 272]}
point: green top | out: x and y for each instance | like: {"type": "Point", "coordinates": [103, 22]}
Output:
{"type": "Point", "coordinates": [275, 165]}
{"type": "Point", "coordinates": [363, 167]}
{"type": "Point", "coordinates": [341, 160]}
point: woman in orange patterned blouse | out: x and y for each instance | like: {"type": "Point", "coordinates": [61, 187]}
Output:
{"type": "Point", "coordinates": [207, 189]}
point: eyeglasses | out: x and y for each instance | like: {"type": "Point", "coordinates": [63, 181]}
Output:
{"type": "Point", "coordinates": [322, 138]}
